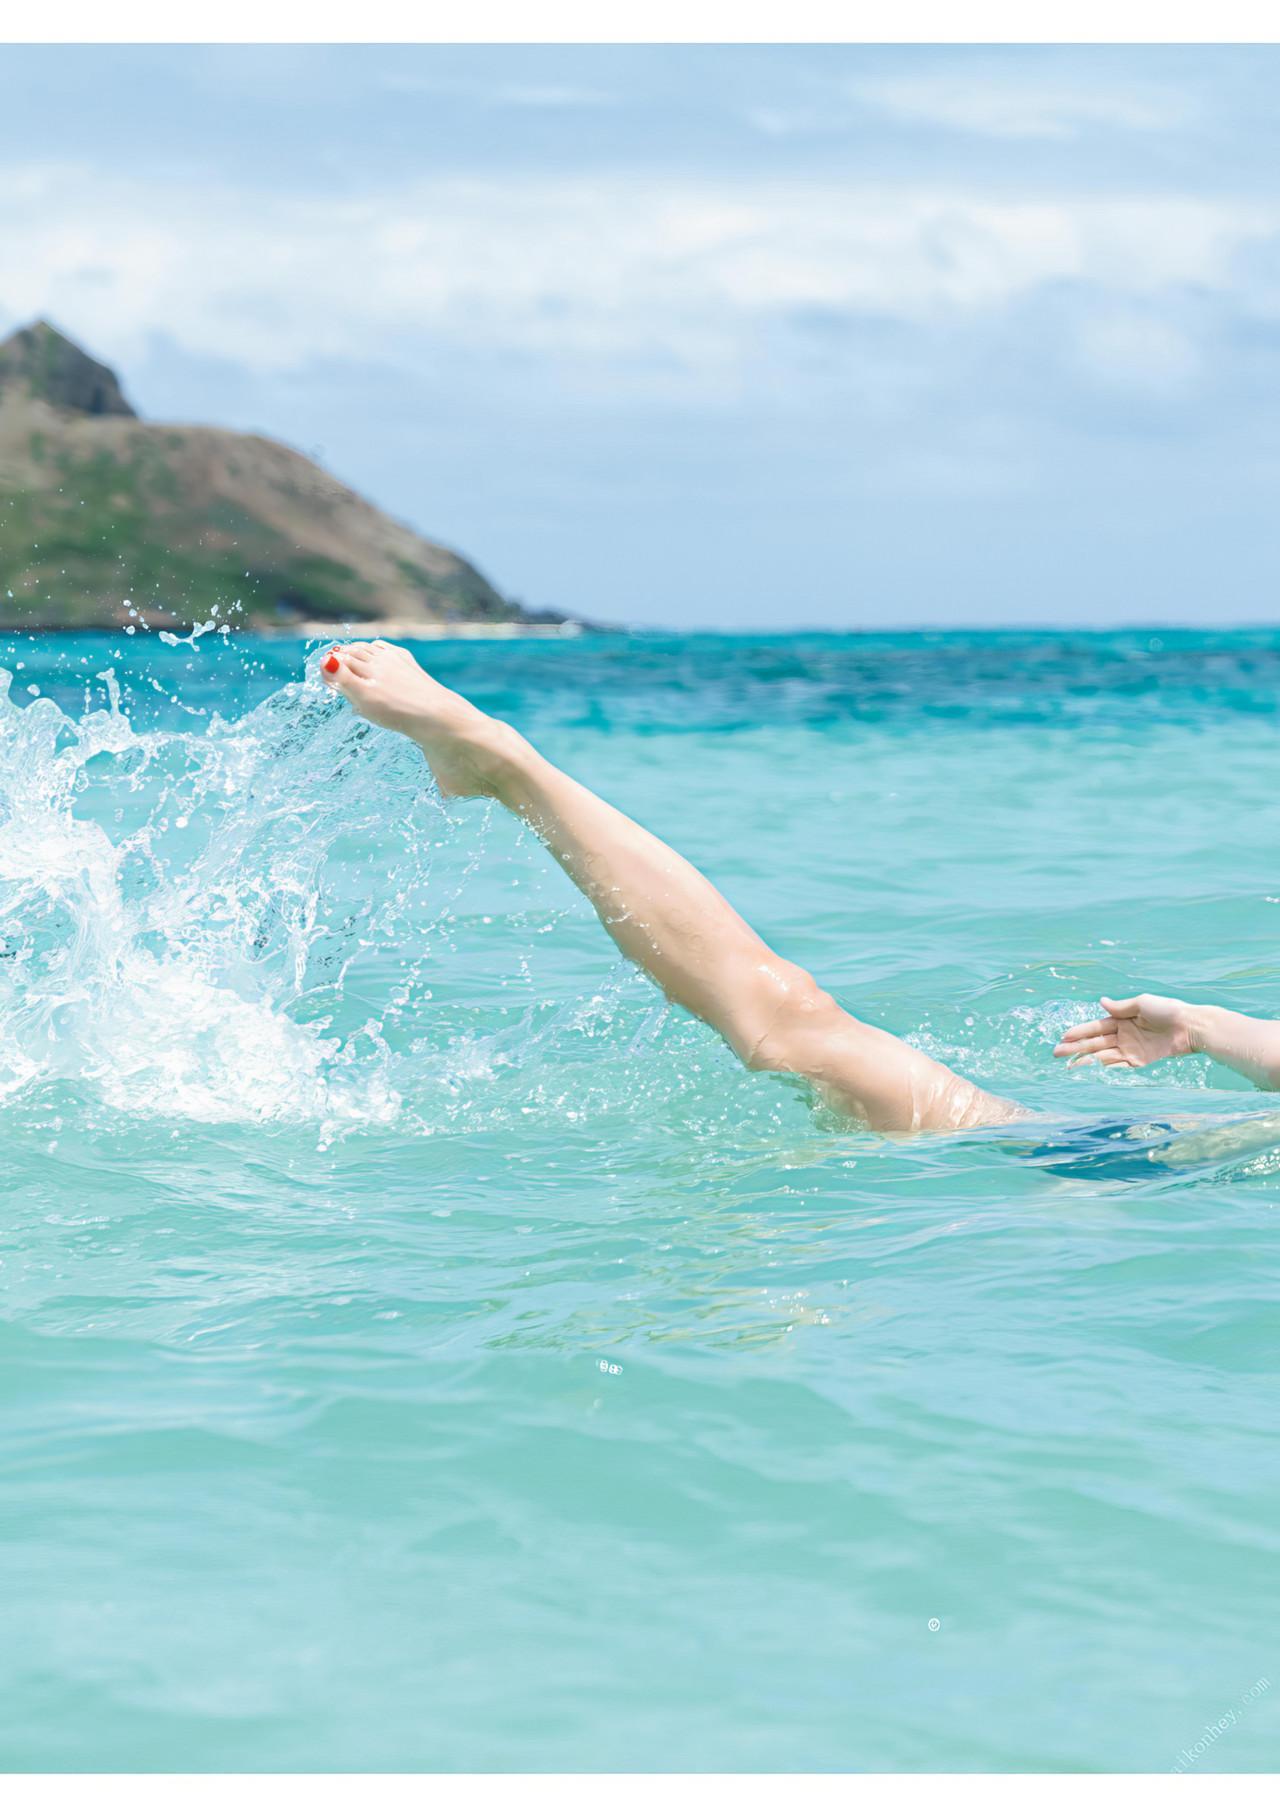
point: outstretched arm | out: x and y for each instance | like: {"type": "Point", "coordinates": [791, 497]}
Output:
{"type": "Point", "coordinates": [663, 913]}
{"type": "Point", "coordinates": [1139, 1030]}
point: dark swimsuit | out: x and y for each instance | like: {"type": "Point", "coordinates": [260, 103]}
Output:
{"type": "Point", "coordinates": [1105, 1150]}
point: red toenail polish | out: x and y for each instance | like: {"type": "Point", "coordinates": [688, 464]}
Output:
{"type": "Point", "coordinates": [331, 666]}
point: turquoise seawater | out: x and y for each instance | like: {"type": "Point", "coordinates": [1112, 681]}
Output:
{"type": "Point", "coordinates": [420, 1350]}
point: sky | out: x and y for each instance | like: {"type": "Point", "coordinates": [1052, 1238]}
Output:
{"type": "Point", "coordinates": [734, 337]}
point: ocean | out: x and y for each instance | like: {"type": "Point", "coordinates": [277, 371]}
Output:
{"type": "Point", "coordinates": [422, 1350]}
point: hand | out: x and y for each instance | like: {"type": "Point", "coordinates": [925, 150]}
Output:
{"type": "Point", "coordinates": [1135, 1032]}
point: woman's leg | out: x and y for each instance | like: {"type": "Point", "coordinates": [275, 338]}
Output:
{"type": "Point", "coordinates": [663, 913]}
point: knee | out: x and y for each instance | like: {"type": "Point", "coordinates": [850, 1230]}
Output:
{"type": "Point", "coordinates": [795, 1016]}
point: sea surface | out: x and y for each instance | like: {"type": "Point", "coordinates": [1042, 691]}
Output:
{"type": "Point", "coordinates": [421, 1350]}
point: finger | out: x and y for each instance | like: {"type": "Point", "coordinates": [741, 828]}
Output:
{"type": "Point", "coordinates": [1097, 1043]}
{"type": "Point", "coordinates": [1085, 1059]}
{"type": "Point", "coordinates": [1125, 1009]}
{"type": "Point", "coordinates": [1084, 1030]}
{"type": "Point", "coordinates": [1073, 1042]}
{"type": "Point", "coordinates": [1115, 1059]}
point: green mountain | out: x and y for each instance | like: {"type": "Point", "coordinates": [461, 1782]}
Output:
{"type": "Point", "coordinates": [98, 508]}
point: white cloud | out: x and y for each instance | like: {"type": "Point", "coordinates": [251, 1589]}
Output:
{"type": "Point", "coordinates": [612, 269]}
{"type": "Point", "coordinates": [1007, 107]}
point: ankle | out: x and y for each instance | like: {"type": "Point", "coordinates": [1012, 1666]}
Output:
{"type": "Point", "coordinates": [505, 760]}
{"type": "Point", "coordinates": [480, 755]}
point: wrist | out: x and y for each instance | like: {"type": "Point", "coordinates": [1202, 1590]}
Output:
{"type": "Point", "coordinates": [1204, 1027]}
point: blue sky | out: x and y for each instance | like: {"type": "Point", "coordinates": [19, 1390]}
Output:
{"type": "Point", "coordinates": [704, 336]}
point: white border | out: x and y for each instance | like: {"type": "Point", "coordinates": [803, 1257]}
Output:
{"type": "Point", "coordinates": [660, 22]}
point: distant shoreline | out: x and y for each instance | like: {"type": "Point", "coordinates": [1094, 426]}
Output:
{"type": "Point", "coordinates": [397, 629]}
{"type": "Point", "coordinates": [407, 629]}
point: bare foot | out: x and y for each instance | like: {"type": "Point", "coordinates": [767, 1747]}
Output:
{"type": "Point", "coordinates": [383, 682]}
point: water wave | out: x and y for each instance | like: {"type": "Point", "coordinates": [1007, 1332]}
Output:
{"type": "Point", "coordinates": [167, 935]}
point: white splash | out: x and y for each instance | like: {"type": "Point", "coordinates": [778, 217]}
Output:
{"type": "Point", "coordinates": [162, 915]}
